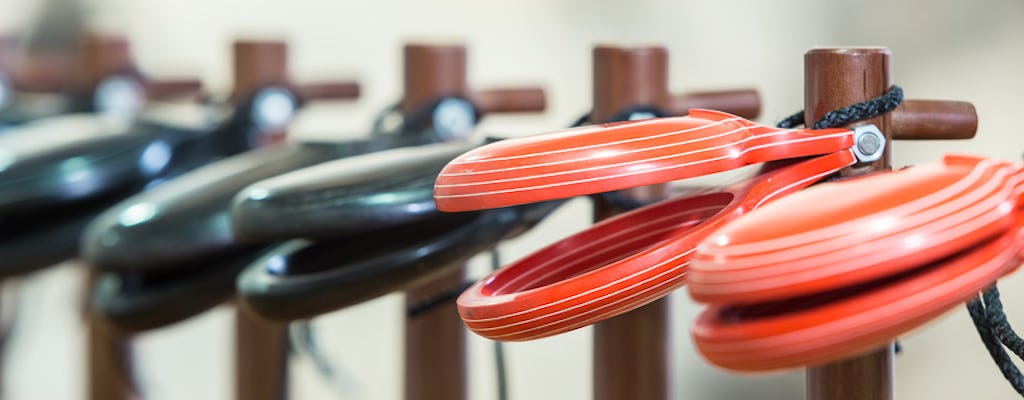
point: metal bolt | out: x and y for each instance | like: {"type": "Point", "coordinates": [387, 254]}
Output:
{"type": "Point", "coordinates": [454, 118]}
{"type": "Point", "coordinates": [869, 143]}
{"type": "Point", "coordinates": [641, 115]}
{"type": "Point", "coordinates": [119, 96]}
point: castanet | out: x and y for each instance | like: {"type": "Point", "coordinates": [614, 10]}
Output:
{"type": "Point", "coordinates": [835, 78]}
{"type": "Point", "coordinates": [345, 206]}
{"type": "Point", "coordinates": [435, 342]}
{"type": "Point", "coordinates": [631, 349]}
{"type": "Point", "coordinates": [858, 254]}
{"type": "Point", "coordinates": [138, 288]}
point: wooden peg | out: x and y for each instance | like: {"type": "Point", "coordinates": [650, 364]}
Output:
{"type": "Point", "coordinates": [328, 90]}
{"type": "Point", "coordinates": [169, 88]}
{"type": "Point", "coordinates": [509, 100]}
{"type": "Point", "coordinates": [743, 102]}
{"type": "Point", "coordinates": [933, 120]}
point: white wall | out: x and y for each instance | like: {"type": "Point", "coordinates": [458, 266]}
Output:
{"type": "Point", "coordinates": [942, 49]}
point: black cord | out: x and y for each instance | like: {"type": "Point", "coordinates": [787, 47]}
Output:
{"type": "Point", "coordinates": [852, 113]}
{"type": "Point", "coordinates": [980, 316]}
{"type": "Point", "coordinates": [999, 324]}
{"type": "Point", "coordinates": [499, 347]}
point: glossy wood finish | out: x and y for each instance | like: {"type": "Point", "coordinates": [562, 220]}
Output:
{"type": "Point", "coordinates": [433, 71]}
{"type": "Point", "coordinates": [835, 78]}
{"type": "Point", "coordinates": [624, 78]}
{"type": "Point", "coordinates": [862, 368]}
{"type": "Point", "coordinates": [933, 120]}
{"type": "Point", "coordinates": [631, 353]}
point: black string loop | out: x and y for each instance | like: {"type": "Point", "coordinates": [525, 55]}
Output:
{"type": "Point", "coordinates": [851, 113]}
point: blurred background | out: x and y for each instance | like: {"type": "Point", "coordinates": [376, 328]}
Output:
{"type": "Point", "coordinates": [942, 49]}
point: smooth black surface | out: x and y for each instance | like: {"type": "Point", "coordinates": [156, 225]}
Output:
{"type": "Point", "coordinates": [344, 197]}
{"type": "Point", "coordinates": [188, 219]}
{"type": "Point", "coordinates": [301, 279]}
{"type": "Point", "coordinates": [57, 174]}
{"type": "Point", "coordinates": [138, 301]}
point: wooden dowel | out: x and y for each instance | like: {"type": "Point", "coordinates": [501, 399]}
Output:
{"type": "Point", "coordinates": [108, 355]}
{"type": "Point", "coordinates": [933, 120]}
{"type": "Point", "coordinates": [855, 378]}
{"type": "Point", "coordinates": [632, 351]}
{"type": "Point", "coordinates": [510, 100]}
{"type": "Point", "coordinates": [261, 358]}
{"type": "Point", "coordinates": [435, 343]}
{"type": "Point", "coordinates": [260, 347]}
{"type": "Point", "coordinates": [835, 78]}
{"type": "Point", "coordinates": [328, 90]}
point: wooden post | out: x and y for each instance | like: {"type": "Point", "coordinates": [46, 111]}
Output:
{"type": "Point", "coordinates": [435, 341]}
{"type": "Point", "coordinates": [632, 351]}
{"type": "Point", "coordinates": [261, 358]}
{"type": "Point", "coordinates": [435, 344]}
{"type": "Point", "coordinates": [260, 347]}
{"type": "Point", "coordinates": [108, 355]}
{"type": "Point", "coordinates": [108, 352]}
{"type": "Point", "coordinates": [835, 78]}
